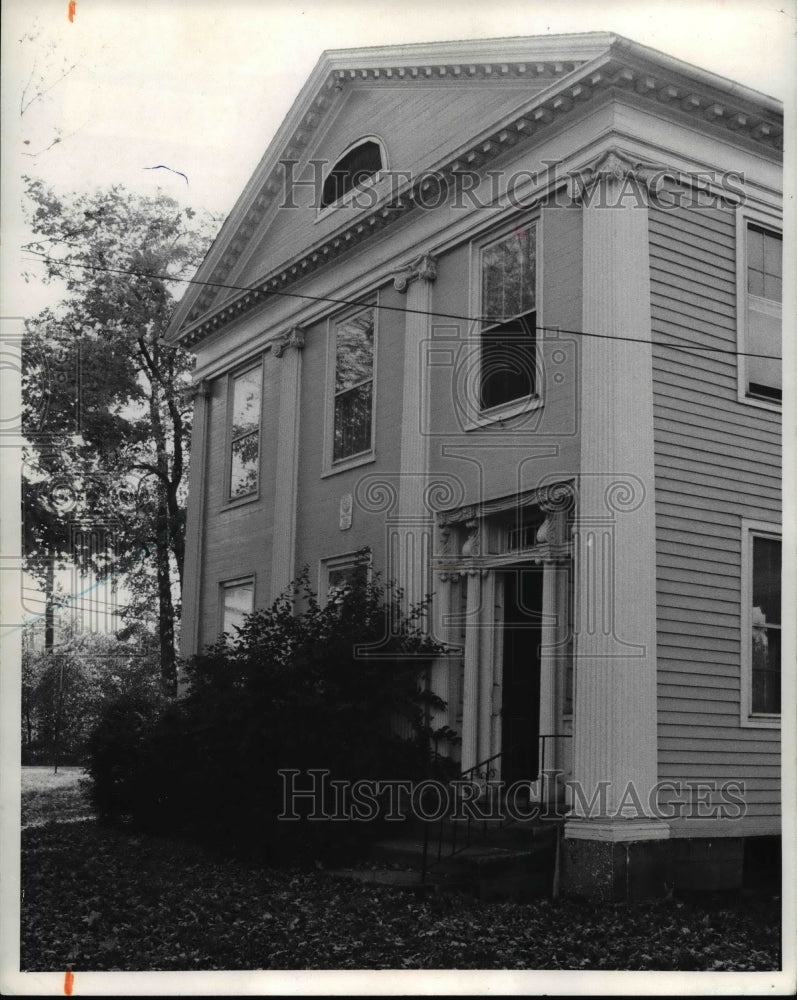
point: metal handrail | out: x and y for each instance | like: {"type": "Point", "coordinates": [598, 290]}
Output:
{"type": "Point", "coordinates": [543, 737]}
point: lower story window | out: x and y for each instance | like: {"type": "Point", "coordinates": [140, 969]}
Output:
{"type": "Point", "coordinates": [340, 574]}
{"type": "Point", "coordinates": [762, 566]}
{"type": "Point", "coordinates": [237, 601]}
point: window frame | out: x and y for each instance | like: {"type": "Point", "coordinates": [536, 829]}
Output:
{"type": "Point", "coordinates": [478, 417]}
{"type": "Point", "coordinates": [224, 585]}
{"type": "Point", "coordinates": [769, 222]}
{"type": "Point", "coordinates": [331, 465]}
{"type": "Point", "coordinates": [228, 499]}
{"type": "Point", "coordinates": [351, 194]}
{"type": "Point", "coordinates": [751, 529]}
{"type": "Point", "coordinates": [343, 560]}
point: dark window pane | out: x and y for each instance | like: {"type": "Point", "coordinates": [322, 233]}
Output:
{"type": "Point", "coordinates": [352, 421]}
{"type": "Point", "coordinates": [766, 580]}
{"type": "Point", "coordinates": [766, 669]}
{"type": "Point", "coordinates": [354, 353]}
{"type": "Point", "coordinates": [508, 369]}
{"type": "Point", "coordinates": [246, 402]}
{"type": "Point", "coordinates": [352, 169]}
{"type": "Point", "coordinates": [243, 475]}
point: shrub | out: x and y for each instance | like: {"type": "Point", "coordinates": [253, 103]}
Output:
{"type": "Point", "coordinates": [336, 687]}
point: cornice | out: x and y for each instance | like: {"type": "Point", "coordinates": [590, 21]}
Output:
{"type": "Point", "coordinates": [699, 97]}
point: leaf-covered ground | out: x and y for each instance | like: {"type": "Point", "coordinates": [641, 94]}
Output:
{"type": "Point", "coordinates": [104, 899]}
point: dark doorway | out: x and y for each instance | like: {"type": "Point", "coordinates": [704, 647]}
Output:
{"type": "Point", "coordinates": [520, 711]}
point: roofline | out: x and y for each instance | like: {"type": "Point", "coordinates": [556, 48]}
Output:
{"type": "Point", "coordinates": [584, 47]}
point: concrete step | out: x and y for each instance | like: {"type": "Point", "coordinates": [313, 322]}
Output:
{"type": "Point", "coordinates": [488, 870]}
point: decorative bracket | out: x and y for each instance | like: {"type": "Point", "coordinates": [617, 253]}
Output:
{"type": "Point", "coordinates": [614, 165]}
{"type": "Point", "coordinates": [293, 338]}
{"type": "Point", "coordinates": [422, 269]}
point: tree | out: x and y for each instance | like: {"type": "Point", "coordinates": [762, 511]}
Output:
{"type": "Point", "coordinates": [107, 412]}
{"type": "Point", "coordinates": [65, 688]}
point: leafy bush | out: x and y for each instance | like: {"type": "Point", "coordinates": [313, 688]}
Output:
{"type": "Point", "coordinates": [336, 687]}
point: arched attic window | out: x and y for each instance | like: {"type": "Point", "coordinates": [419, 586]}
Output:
{"type": "Point", "coordinates": [357, 164]}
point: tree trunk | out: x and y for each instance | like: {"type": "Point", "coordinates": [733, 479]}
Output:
{"type": "Point", "coordinates": [49, 606]}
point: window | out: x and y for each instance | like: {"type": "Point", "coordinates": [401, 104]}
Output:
{"type": "Point", "coordinates": [355, 166]}
{"type": "Point", "coordinates": [761, 313]}
{"type": "Point", "coordinates": [246, 391]}
{"type": "Point", "coordinates": [237, 601]}
{"type": "Point", "coordinates": [340, 573]}
{"type": "Point", "coordinates": [761, 566]}
{"type": "Point", "coordinates": [509, 317]}
{"type": "Point", "coordinates": [354, 385]}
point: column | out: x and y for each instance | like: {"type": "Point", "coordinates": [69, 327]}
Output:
{"type": "Point", "coordinates": [283, 539]}
{"type": "Point", "coordinates": [615, 686]}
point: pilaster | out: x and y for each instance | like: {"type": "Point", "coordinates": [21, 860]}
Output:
{"type": "Point", "coordinates": [615, 680]}
{"type": "Point", "coordinates": [288, 349]}
{"type": "Point", "coordinates": [190, 637]}
{"type": "Point", "coordinates": [415, 524]}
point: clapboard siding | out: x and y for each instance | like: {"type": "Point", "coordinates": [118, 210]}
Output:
{"type": "Point", "coordinates": [717, 461]}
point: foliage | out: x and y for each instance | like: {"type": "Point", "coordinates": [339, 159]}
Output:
{"type": "Point", "coordinates": [63, 691]}
{"type": "Point", "coordinates": [294, 690]}
{"type": "Point", "coordinates": [106, 407]}
{"type": "Point", "coordinates": [100, 898]}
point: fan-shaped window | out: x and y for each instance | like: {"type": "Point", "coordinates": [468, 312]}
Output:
{"type": "Point", "coordinates": [354, 167]}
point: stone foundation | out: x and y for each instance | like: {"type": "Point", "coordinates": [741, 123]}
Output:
{"type": "Point", "coordinates": [611, 871]}
{"type": "Point", "coordinates": [629, 870]}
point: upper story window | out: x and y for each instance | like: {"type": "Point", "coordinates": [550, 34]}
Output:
{"type": "Point", "coordinates": [760, 313]}
{"type": "Point", "coordinates": [761, 624]}
{"type": "Point", "coordinates": [245, 407]}
{"type": "Point", "coordinates": [351, 170]}
{"type": "Point", "coordinates": [509, 319]}
{"type": "Point", "coordinates": [354, 385]}
{"type": "Point", "coordinates": [237, 601]}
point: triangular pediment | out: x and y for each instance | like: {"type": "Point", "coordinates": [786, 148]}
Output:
{"type": "Point", "coordinates": [427, 105]}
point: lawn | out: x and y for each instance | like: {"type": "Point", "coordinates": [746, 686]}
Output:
{"type": "Point", "coordinates": [99, 898]}
{"type": "Point", "coordinates": [46, 795]}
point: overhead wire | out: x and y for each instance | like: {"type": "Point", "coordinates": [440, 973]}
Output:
{"type": "Point", "coordinates": [266, 293]}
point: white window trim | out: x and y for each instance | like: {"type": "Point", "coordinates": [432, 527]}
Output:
{"type": "Point", "coordinates": [765, 220]}
{"type": "Point", "coordinates": [476, 417]}
{"type": "Point", "coordinates": [331, 467]}
{"type": "Point", "coordinates": [752, 529]}
{"type": "Point", "coordinates": [369, 183]}
{"type": "Point", "coordinates": [237, 581]}
{"type": "Point", "coordinates": [227, 499]}
{"type": "Point", "coordinates": [343, 560]}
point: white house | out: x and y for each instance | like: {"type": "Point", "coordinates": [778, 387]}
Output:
{"type": "Point", "coordinates": [507, 313]}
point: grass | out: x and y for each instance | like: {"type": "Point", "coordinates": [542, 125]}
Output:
{"type": "Point", "coordinates": [101, 898]}
{"type": "Point", "coordinates": [48, 796]}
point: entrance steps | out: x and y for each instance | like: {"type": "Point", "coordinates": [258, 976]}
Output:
{"type": "Point", "coordinates": [512, 861]}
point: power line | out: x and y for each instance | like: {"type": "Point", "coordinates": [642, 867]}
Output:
{"type": "Point", "coordinates": [44, 259]}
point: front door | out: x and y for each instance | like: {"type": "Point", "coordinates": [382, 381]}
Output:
{"type": "Point", "coordinates": [520, 713]}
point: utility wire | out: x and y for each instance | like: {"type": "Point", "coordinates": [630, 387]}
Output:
{"type": "Point", "coordinates": [44, 259]}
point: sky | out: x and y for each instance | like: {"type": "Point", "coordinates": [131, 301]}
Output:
{"type": "Point", "coordinates": [202, 86]}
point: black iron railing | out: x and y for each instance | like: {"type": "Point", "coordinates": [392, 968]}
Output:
{"type": "Point", "coordinates": [468, 775]}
